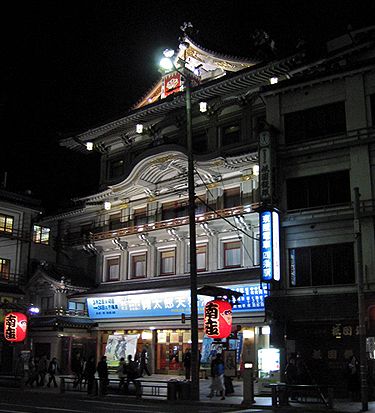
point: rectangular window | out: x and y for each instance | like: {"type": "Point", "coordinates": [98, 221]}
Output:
{"type": "Point", "coordinates": [200, 205]}
{"type": "Point", "coordinates": [232, 254]}
{"type": "Point", "coordinates": [113, 269]}
{"type": "Point", "coordinates": [74, 306]}
{"type": "Point", "coordinates": [46, 303]}
{"type": "Point", "coordinates": [318, 190]}
{"type": "Point", "coordinates": [6, 223]}
{"type": "Point", "coordinates": [116, 168]}
{"type": "Point", "coordinates": [200, 142]}
{"type": "Point", "coordinates": [168, 262]}
{"type": "Point", "coordinates": [321, 265]}
{"type": "Point", "coordinates": [202, 257]}
{"type": "Point", "coordinates": [115, 221]}
{"type": "Point", "coordinates": [175, 209]}
{"type": "Point", "coordinates": [138, 265]}
{"type": "Point", "coordinates": [41, 235]}
{"type": "Point", "coordinates": [86, 229]}
{"type": "Point", "coordinates": [4, 269]}
{"type": "Point", "coordinates": [230, 134]}
{"type": "Point", "coordinates": [140, 216]}
{"type": "Point", "coordinates": [316, 122]}
{"type": "Point", "coordinates": [232, 197]}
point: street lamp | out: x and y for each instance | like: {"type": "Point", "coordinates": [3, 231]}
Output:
{"type": "Point", "coordinates": [167, 64]}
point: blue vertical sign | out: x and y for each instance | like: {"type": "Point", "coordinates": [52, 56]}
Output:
{"type": "Point", "coordinates": [270, 245]}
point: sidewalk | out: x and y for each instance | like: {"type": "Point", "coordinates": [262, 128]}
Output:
{"type": "Point", "coordinates": [263, 402]}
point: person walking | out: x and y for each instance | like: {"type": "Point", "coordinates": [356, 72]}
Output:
{"type": "Point", "coordinates": [76, 368]}
{"type": "Point", "coordinates": [217, 374]}
{"type": "Point", "coordinates": [103, 375]}
{"type": "Point", "coordinates": [121, 372]}
{"type": "Point", "coordinates": [53, 369]}
{"type": "Point", "coordinates": [186, 360]}
{"type": "Point", "coordinates": [90, 371]}
{"type": "Point", "coordinates": [143, 366]}
{"type": "Point", "coordinates": [42, 370]}
{"type": "Point", "coordinates": [131, 372]}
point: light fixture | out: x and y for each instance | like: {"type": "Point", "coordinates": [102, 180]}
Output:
{"type": "Point", "coordinates": [274, 80]}
{"type": "Point", "coordinates": [89, 146]}
{"type": "Point", "coordinates": [146, 335]}
{"type": "Point", "coordinates": [248, 334]}
{"type": "Point", "coordinates": [139, 128]}
{"type": "Point", "coordinates": [266, 330]}
{"type": "Point", "coordinates": [107, 205]}
{"type": "Point", "coordinates": [166, 63]}
{"type": "Point", "coordinates": [203, 107]}
{"type": "Point", "coordinates": [256, 170]}
{"type": "Point", "coordinates": [34, 310]}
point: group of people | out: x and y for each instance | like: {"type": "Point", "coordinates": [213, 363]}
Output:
{"type": "Point", "coordinates": [39, 368]}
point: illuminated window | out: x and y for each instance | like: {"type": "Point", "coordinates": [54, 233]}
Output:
{"type": "Point", "coordinates": [201, 257]}
{"type": "Point", "coordinates": [138, 265]}
{"type": "Point", "coordinates": [41, 235]}
{"type": "Point", "coordinates": [113, 269]}
{"type": "Point", "coordinates": [168, 262]}
{"type": "Point", "coordinates": [232, 254]}
{"type": "Point", "coordinates": [6, 223]}
{"type": "Point", "coordinates": [4, 268]}
{"type": "Point", "coordinates": [77, 307]}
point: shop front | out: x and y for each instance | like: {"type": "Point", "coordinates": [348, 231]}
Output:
{"type": "Point", "coordinates": [154, 322]}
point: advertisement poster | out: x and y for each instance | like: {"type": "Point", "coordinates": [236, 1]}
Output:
{"type": "Point", "coordinates": [120, 345]}
{"type": "Point", "coordinates": [230, 366]}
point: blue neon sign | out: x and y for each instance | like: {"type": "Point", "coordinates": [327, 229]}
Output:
{"type": "Point", "coordinates": [270, 245]}
{"type": "Point", "coordinates": [169, 303]}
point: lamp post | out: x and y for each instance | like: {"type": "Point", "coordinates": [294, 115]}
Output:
{"type": "Point", "coordinates": [168, 64]}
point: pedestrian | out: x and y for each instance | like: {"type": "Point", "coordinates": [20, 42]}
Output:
{"type": "Point", "coordinates": [217, 377]}
{"type": "Point", "coordinates": [121, 372]}
{"type": "Point", "coordinates": [76, 368]}
{"type": "Point", "coordinates": [143, 366]}
{"type": "Point", "coordinates": [102, 369]}
{"type": "Point", "coordinates": [53, 369]}
{"type": "Point", "coordinates": [31, 371]}
{"type": "Point", "coordinates": [353, 378]}
{"type": "Point", "coordinates": [131, 372]}
{"type": "Point", "coordinates": [42, 370]}
{"type": "Point", "coordinates": [90, 371]}
{"type": "Point", "coordinates": [186, 360]}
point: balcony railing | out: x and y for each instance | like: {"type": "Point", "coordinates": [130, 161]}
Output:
{"type": "Point", "coordinates": [124, 229]}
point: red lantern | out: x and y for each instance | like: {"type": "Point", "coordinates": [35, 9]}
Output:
{"type": "Point", "coordinates": [15, 327]}
{"type": "Point", "coordinates": [218, 319]}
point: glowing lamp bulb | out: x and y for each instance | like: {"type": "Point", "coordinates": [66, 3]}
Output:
{"type": "Point", "coordinates": [89, 146]}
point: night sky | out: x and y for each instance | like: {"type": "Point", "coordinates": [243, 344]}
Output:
{"type": "Point", "coordinates": [68, 66]}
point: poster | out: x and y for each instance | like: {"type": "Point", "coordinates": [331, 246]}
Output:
{"type": "Point", "coordinates": [229, 357]}
{"type": "Point", "coordinates": [120, 345]}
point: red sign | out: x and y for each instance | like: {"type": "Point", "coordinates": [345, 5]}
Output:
{"type": "Point", "coordinates": [218, 319]}
{"type": "Point", "coordinates": [171, 84]}
{"type": "Point", "coordinates": [15, 327]}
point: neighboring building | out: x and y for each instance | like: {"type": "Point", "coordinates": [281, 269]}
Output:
{"type": "Point", "coordinates": [324, 148]}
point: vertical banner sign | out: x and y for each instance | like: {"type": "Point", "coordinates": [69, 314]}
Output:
{"type": "Point", "coordinates": [15, 327]}
{"type": "Point", "coordinates": [171, 83]}
{"type": "Point", "coordinates": [265, 167]}
{"type": "Point", "coordinates": [270, 245]}
{"type": "Point", "coordinates": [218, 319]}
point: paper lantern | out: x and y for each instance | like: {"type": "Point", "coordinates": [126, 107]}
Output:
{"type": "Point", "coordinates": [15, 327]}
{"type": "Point", "coordinates": [218, 319]}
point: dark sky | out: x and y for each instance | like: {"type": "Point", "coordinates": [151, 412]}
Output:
{"type": "Point", "coordinates": [71, 65]}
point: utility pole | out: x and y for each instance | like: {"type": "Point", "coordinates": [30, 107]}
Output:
{"type": "Point", "coordinates": [361, 301]}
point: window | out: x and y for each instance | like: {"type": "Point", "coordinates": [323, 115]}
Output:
{"type": "Point", "coordinates": [115, 221]}
{"type": "Point", "coordinates": [321, 265]}
{"type": "Point", "coordinates": [6, 223]}
{"type": "Point", "coordinates": [113, 269]}
{"type": "Point", "coordinates": [200, 142]}
{"type": "Point", "coordinates": [76, 307]}
{"type": "Point", "coordinates": [232, 197]}
{"type": "Point", "coordinates": [202, 257]}
{"type": "Point", "coordinates": [4, 269]}
{"type": "Point", "coordinates": [140, 216]}
{"type": "Point", "coordinates": [175, 209]}
{"type": "Point", "coordinates": [232, 254]}
{"type": "Point", "coordinates": [318, 190]}
{"type": "Point", "coordinates": [230, 134]}
{"type": "Point", "coordinates": [41, 235]}
{"type": "Point", "coordinates": [200, 204]}
{"type": "Point", "coordinates": [116, 168]}
{"type": "Point", "coordinates": [86, 229]}
{"type": "Point", "coordinates": [168, 262]}
{"type": "Point", "coordinates": [46, 303]}
{"type": "Point", "coordinates": [138, 265]}
{"type": "Point", "coordinates": [311, 123]}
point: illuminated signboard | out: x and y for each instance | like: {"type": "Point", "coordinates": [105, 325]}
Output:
{"type": "Point", "coordinates": [270, 245]}
{"type": "Point", "coordinates": [15, 327]}
{"type": "Point", "coordinates": [171, 303]}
